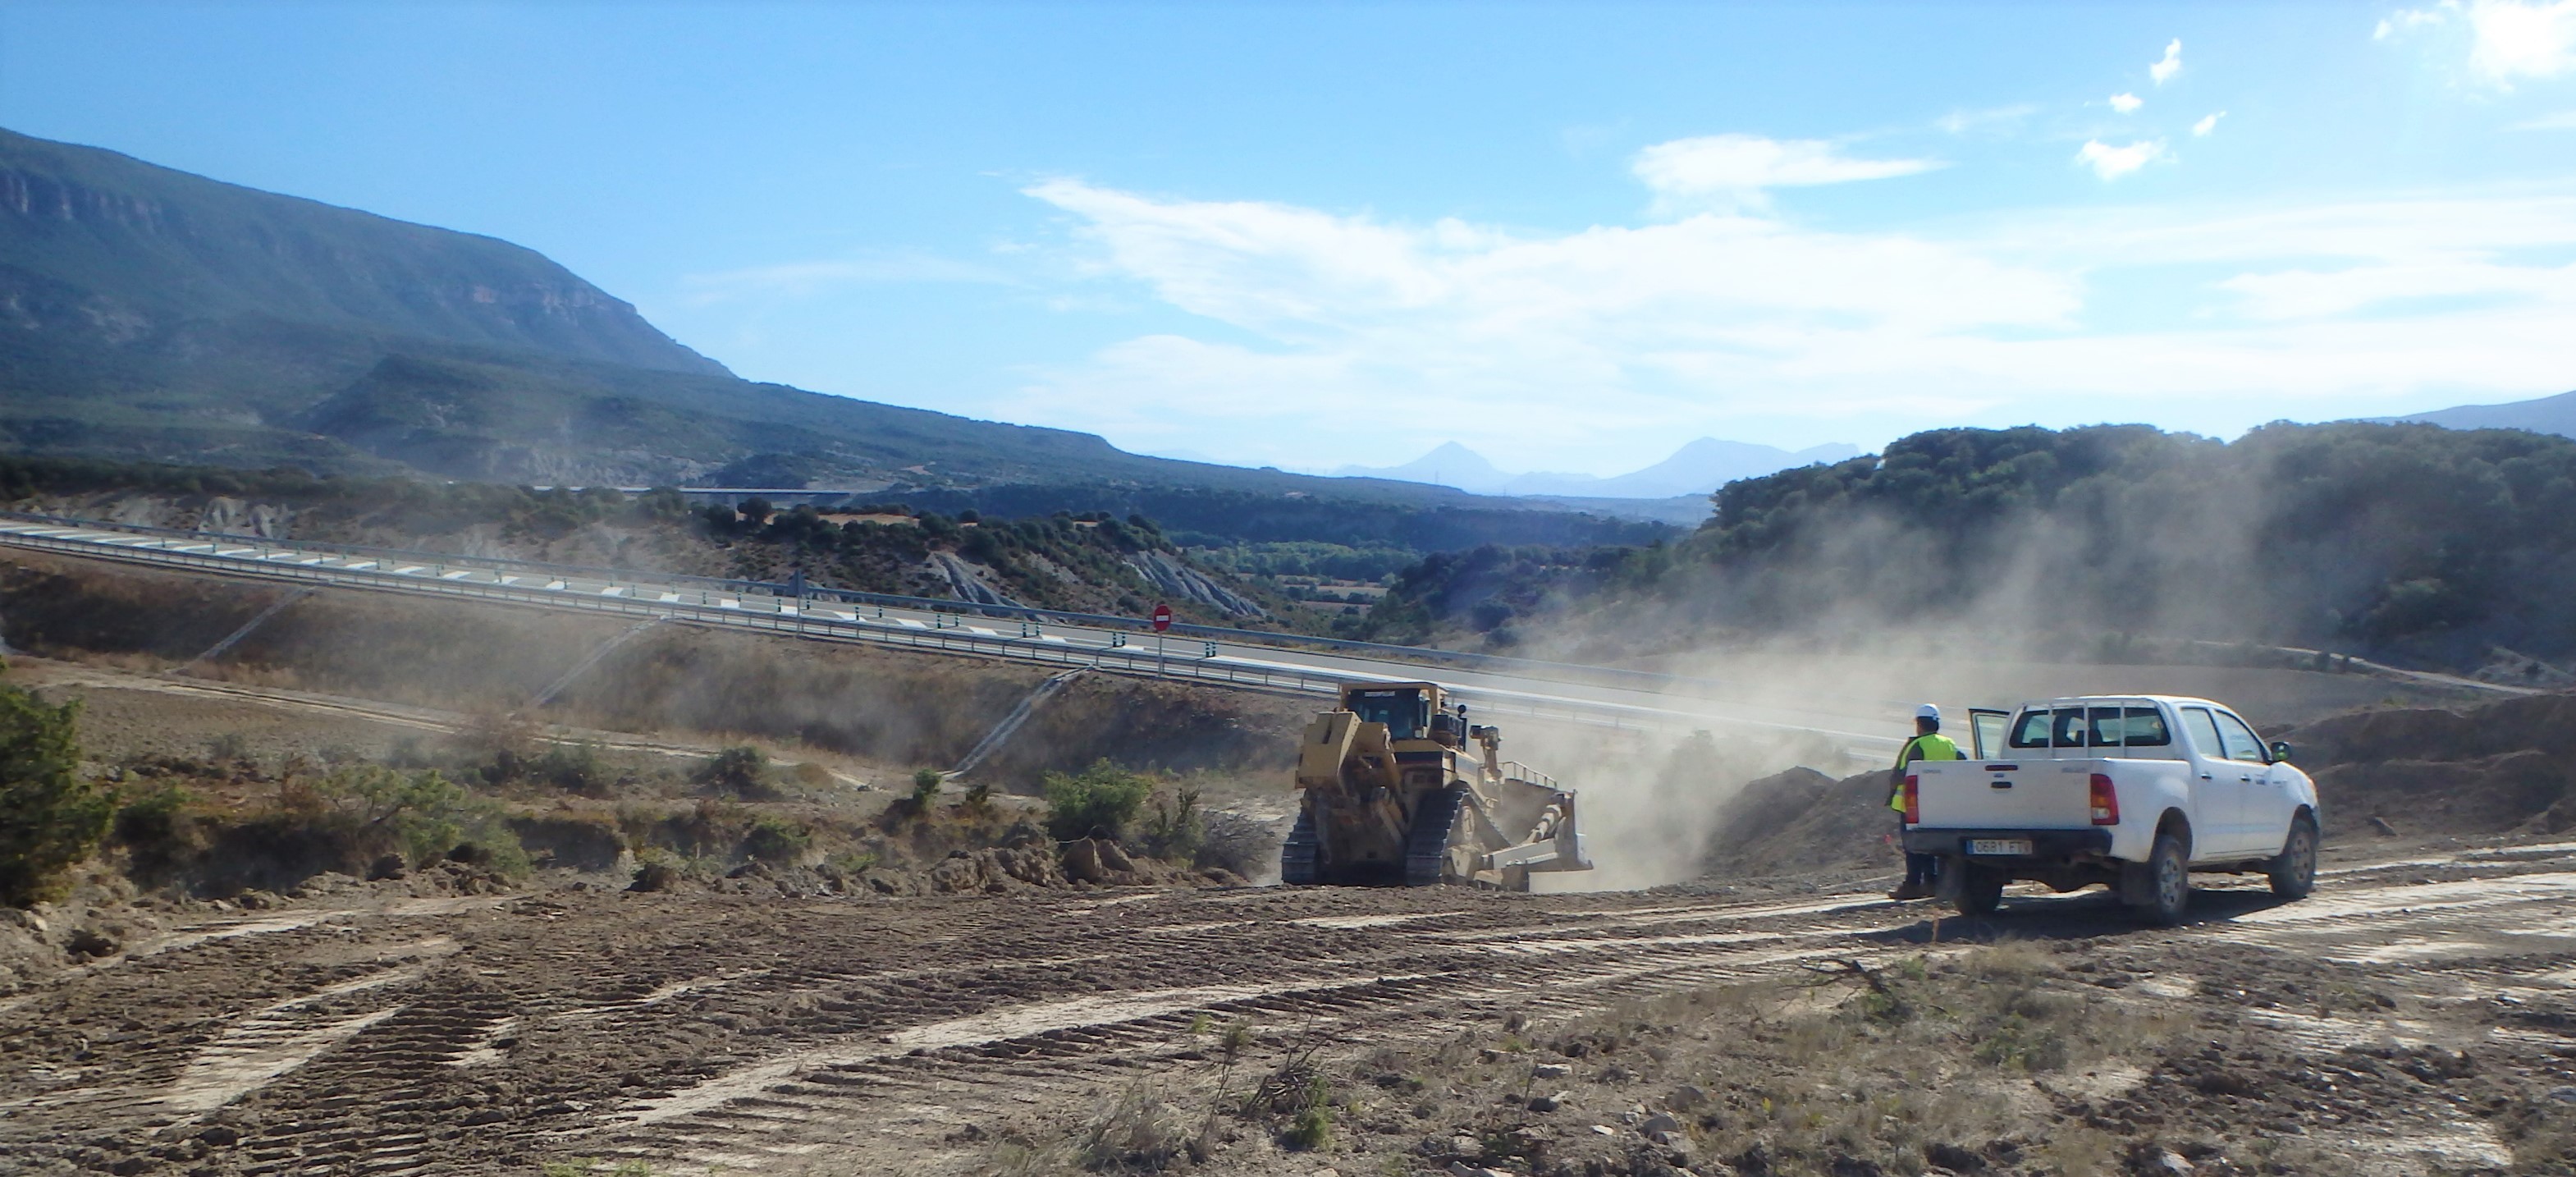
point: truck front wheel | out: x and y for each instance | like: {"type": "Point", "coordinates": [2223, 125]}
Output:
{"type": "Point", "coordinates": [2167, 890]}
{"type": "Point", "coordinates": [2294, 871]}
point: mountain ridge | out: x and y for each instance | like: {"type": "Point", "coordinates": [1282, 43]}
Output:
{"type": "Point", "coordinates": [2548, 414]}
{"type": "Point", "coordinates": [150, 314]}
{"type": "Point", "coordinates": [1698, 467]}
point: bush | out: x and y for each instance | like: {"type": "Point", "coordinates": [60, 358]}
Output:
{"type": "Point", "coordinates": [925, 788]}
{"type": "Point", "coordinates": [740, 772]}
{"type": "Point", "coordinates": [774, 839]}
{"type": "Point", "coordinates": [573, 768]}
{"type": "Point", "coordinates": [1175, 831]}
{"type": "Point", "coordinates": [159, 832]}
{"type": "Point", "coordinates": [1100, 801]}
{"type": "Point", "coordinates": [50, 817]}
{"type": "Point", "coordinates": [1241, 844]}
{"type": "Point", "coordinates": [423, 816]}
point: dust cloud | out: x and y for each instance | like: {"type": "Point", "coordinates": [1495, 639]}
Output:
{"type": "Point", "coordinates": [1857, 620]}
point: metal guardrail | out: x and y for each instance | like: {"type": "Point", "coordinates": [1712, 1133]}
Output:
{"type": "Point", "coordinates": [1132, 661]}
{"type": "Point", "coordinates": [1570, 672]}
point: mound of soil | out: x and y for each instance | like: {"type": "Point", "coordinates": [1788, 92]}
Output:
{"type": "Point", "coordinates": [2502, 768]}
{"type": "Point", "coordinates": [1803, 821]}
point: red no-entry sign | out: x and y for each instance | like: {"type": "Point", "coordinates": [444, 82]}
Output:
{"type": "Point", "coordinates": [1162, 618]}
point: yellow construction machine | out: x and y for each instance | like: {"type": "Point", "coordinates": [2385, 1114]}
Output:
{"type": "Point", "coordinates": [1390, 796]}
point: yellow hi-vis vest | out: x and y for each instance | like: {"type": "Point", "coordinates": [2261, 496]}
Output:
{"type": "Point", "coordinates": [1932, 747]}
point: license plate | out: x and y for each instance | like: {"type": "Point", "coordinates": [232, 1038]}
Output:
{"type": "Point", "coordinates": [2020, 846]}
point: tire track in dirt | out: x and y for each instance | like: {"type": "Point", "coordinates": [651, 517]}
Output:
{"type": "Point", "coordinates": [721, 1031]}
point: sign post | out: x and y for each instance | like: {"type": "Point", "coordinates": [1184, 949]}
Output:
{"type": "Point", "coordinates": [1162, 622]}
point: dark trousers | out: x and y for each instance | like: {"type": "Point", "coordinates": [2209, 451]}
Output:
{"type": "Point", "coordinates": [1919, 868]}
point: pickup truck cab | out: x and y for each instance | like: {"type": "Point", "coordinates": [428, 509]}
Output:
{"type": "Point", "coordinates": [2133, 792]}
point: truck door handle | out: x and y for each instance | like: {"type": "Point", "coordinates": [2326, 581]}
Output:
{"type": "Point", "coordinates": [2246, 777]}
{"type": "Point", "coordinates": [2205, 776]}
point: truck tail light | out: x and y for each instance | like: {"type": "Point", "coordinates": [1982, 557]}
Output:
{"type": "Point", "coordinates": [1913, 799]}
{"type": "Point", "coordinates": [2106, 802]}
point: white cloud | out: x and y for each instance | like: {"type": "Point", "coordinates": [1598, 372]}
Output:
{"type": "Point", "coordinates": [2111, 163]}
{"type": "Point", "coordinates": [1595, 349]}
{"type": "Point", "coordinates": [804, 279]}
{"type": "Point", "coordinates": [2407, 20]}
{"type": "Point", "coordinates": [2315, 294]}
{"type": "Point", "coordinates": [2507, 39]}
{"type": "Point", "coordinates": [2201, 129]}
{"type": "Point", "coordinates": [2171, 64]}
{"type": "Point", "coordinates": [1740, 167]}
{"type": "Point", "coordinates": [2523, 40]}
{"type": "Point", "coordinates": [1960, 122]}
{"type": "Point", "coordinates": [2127, 103]}
{"type": "Point", "coordinates": [2564, 120]}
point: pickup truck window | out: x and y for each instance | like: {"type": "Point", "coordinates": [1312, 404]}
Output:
{"type": "Point", "coordinates": [2204, 732]}
{"type": "Point", "coordinates": [2239, 740]}
{"type": "Point", "coordinates": [2091, 727]}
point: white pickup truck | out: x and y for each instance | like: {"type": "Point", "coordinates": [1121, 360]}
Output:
{"type": "Point", "coordinates": [2134, 792]}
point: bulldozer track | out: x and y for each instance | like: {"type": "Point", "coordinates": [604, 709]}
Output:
{"type": "Point", "coordinates": [724, 1031]}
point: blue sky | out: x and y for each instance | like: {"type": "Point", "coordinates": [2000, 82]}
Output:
{"type": "Point", "coordinates": [1572, 237]}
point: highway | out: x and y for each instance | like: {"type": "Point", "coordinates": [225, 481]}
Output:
{"type": "Point", "coordinates": [1264, 662]}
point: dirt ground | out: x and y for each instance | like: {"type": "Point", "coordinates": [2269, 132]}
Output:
{"type": "Point", "coordinates": [2417, 1015]}
{"type": "Point", "coordinates": [2411, 1017]}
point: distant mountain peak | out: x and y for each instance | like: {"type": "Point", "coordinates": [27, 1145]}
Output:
{"type": "Point", "coordinates": [1448, 464]}
{"type": "Point", "coordinates": [1700, 466]}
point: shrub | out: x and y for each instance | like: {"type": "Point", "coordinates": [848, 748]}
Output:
{"type": "Point", "coordinates": [925, 788]}
{"type": "Point", "coordinates": [979, 799]}
{"type": "Point", "coordinates": [1098, 801]}
{"type": "Point", "coordinates": [776, 839]}
{"type": "Point", "coordinates": [740, 772]}
{"type": "Point", "coordinates": [158, 831]}
{"type": "Point", "coordinates": [1175, 831]}
{"type": "Point", "coordinates": [573, 768]}
{"type": "Point", "coordinates": [423, 816]}
{"type": "Point", "coordinates": [50, 817]}
{"type": "Point", "coordinates": [505, 742]}
{"type": "Point", "coordinates": [1139, 1132]}
{"type": "Point", "coordinates": [1241, 844]}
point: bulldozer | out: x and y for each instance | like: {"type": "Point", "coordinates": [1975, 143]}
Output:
{"type": "Point", "coordinates": [1390, 795]}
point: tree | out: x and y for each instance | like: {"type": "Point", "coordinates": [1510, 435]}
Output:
{"type": "Point", "coordinates": [50, 817]}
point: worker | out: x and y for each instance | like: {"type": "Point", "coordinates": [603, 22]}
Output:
{"type": "Point", "coordinates": [1928, 744]}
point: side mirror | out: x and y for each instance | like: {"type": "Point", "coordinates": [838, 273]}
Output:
{"type": "Point", "coordinates": [2281, 752]}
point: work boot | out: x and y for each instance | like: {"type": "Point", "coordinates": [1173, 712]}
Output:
{"type": "Point", "coordinates": [1911, 889]}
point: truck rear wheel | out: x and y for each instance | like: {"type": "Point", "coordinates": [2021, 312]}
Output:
{"type": "Point", "coordinates": [2294, 870]}
{"type": "Point", "coordinates": [1979, 889]}
{"type": "Point", "coordinates": [2168, 881]}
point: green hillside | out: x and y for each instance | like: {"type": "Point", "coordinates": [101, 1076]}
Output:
{"type": "Point", "coordinates": [2409, 541]}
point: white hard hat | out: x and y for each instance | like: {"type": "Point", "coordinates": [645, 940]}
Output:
{"type": "Point", "coordinates": [1928, 711]}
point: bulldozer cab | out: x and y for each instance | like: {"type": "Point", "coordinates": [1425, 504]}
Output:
{"type": "Point", "coordinates": [1405, 708]}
